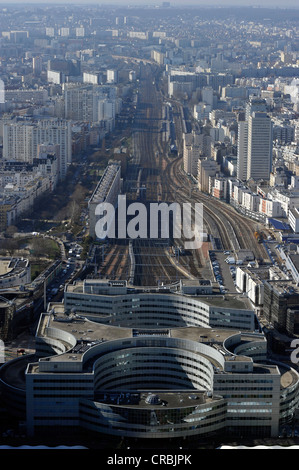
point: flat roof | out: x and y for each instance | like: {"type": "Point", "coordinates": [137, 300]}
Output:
{"type": "Point", "coordinates": [88, 333]}
{"type": "Point", "coordinates": [157, 398]}
{"type": "Point", "coordinates": [236, 301]}
{"type": "Point", "coordinates": [284, 286]}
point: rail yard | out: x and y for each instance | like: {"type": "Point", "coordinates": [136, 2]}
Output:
{"type": "Point", "coordinates": [155, 174]}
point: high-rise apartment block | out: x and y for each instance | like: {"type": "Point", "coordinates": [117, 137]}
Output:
{"type": "Point", "coordinates": [21, 140]}
{"type": "Point", "coordinates": [80, 103]}
{"type": "Point", "coordinates": [90, 103]}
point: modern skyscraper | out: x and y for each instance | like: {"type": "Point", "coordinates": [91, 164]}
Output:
{"type": "Point", "coordinates": [242, 150]}
{"type": "Point", "coordinates": [255, 105]}
{"type": "Point", "coordinates": [259, 157]}
{"type": "Point", "coordinates": [255, 139]}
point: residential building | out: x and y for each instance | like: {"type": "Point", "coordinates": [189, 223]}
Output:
{"type": "Point", "coordinates": [206, 168]}
{"type": "Point", "coordinates": [293, 219]}
{"type": "Point", "coordinates": [192, 151]}
{"type": "Point", "coordinates": [22, 138]}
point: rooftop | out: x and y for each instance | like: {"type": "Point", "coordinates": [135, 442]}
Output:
{"type": "Point", "coordinates": [284, 287]}
{"type": "Point", "coordinates": [164, 399]}
{"type": "Point", "coordinates": [104, 184]}
{"type": "Point", "coordinates": [87, 334]}
{"type": "Point", "coordinates": [235, 301]}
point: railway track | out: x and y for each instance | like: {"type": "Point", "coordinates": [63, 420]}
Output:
{"type": "Point", "coordinates": [234, 230]}
{"type": "Point", "coordinates": [165, 180]}
{"type": "Point", "coordinates": [115, 264]}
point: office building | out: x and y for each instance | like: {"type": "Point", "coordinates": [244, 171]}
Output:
{"type": "Point", "coordinates": [242, 150]}
{"type": "Point", "coordinates": [165, 373]}
{"type": "Point", "coordinates": [255, 142]}
{"type": "Point", "coordinates": [259, 154]}
{"type": "Point", "coordinates": [281, 296]}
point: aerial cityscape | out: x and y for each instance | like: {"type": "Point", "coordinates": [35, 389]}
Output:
{"type": "Point", "coordinates": [149, 225]}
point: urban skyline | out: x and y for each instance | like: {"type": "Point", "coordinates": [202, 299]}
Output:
{"type": "Point", "coordinates": [175, 3]}
{"type": "Point", "coordinates": [127, 131]}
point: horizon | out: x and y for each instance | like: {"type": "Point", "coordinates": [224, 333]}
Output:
{"type": "Point", "coordinates": [264, 4]}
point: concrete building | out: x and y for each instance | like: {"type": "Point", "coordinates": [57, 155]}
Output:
{"type": "Point", "coordinates": [112, 76]}
{"type": "Point", "coordinates": [201, 111]}
{"type": "Point", "coordinates": [250, 201]}
{"type": "Point", "coordinates": [271, 208]}
{"type": "Point", "coordinates": [192, 151]}
{"type": "Point", "coordinates": [259, 154]}
{"type": "Point", "coordinates": [22, 138]}
{"type": "Point", "coordinates": [107, 190]}
{"type": "Point", "coordinates": [293, 219]}
{"type": "Point", "coordinates": [80, 102]}
{"type": "Point", "coordinates": [14, 272]}
{"type": "Point", "coordinates": [242, 150]}
{"type": "Point", "coordinates": [90, 298]}
{"type": "Point", "coordinates": [39, 96]}
{"type": "Point", "coordinates": [255, 142]}
{"type": "Point", "coordinates": [92, 78]}
{"type": "Point", "coordinates": [288, 198]}
{"type": "Point", "coordinates": [206, 168]}
{"type": "Point", "coordinates": [250, 281]}
{"type": "Point", "coordinates": [218, 187]}
{"type": "Point", "coordinates": [118, 372]}
{"type": "Point", "coordinates": [158, 56]}
{"type": "Point", "coordinates": [56, 77]}
{"type": "Point", "coordinates": [280, 296]}
{"type": "Point", "coordinates": [8, 211]}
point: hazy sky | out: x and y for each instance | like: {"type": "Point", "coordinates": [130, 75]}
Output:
{"type": "Point", "coordinates": [260, 3]}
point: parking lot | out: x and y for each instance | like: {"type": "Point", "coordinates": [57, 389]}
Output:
{"type": "Point", "coordinates": [224, 273]}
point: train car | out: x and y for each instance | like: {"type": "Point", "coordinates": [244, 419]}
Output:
{"type": "Point", "coordinates": [258, 236]}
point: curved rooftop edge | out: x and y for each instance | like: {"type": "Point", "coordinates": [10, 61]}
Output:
{"type": "Point", "coordinates": [148, 382]}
